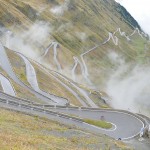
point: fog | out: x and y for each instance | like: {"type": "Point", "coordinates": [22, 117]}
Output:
{"type": "Point", "coordinates": [60, 9]}
{"type": "Point", "coordinates": [82, 36]}
{"type": "Point", "coordinates": [128, 86]}
{"type": "Point", "coordinates": [30, 42]}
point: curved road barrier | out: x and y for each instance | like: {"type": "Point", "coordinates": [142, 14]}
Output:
{"type": "Point", "coordinates": [125, 124]}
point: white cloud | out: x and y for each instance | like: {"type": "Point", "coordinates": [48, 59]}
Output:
{"type": "Point", "coordinates": [139, 9]}
{"type": "Point", "coordinates": [29, 42]}
{"type": "Point", "coordinates": [60, 9]}
{"type": "Point", "coordinates": [128, 86]}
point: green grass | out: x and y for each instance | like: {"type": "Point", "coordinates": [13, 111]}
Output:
{"type": "Point", "coordinates": [99, 123]}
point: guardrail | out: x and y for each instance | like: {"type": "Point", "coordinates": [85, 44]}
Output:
{"type": "Point", "coordinates": [39, 109]}
{"type": "Point", "coordinates": [147, 118]}
{"type": "Point", "coordinates": [15, 98]}
{"type": "Point", "coordinates": [10, 97]}
{"type": "Point", "coordinates": [29, 102]}
{"type": "Point", "coordinates": [92, 109]}
{"type": "Point", "coordinates": [45, 108]}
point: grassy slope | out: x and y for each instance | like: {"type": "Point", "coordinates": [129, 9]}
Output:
{"type": "Point", "coordinates": [95, 19]}
{"type": "Point", "coordinates": [92, 18]}
{"type": "Point", "coordinates": [99, 123]}
{"type": "Point", "coordinates": [50, 85]}
{"type": "Point", "coordinates": [46, 82]}
{"type": "Point", "coordinates": [19, 131]}
{"type": "Point", "coordinates": [99, 64]}
{"type": "Point", "coordinates": [20, 91]}
{"type": "Point", "coordinates": [18, 66]}
{"type": "Point", "coordinates": [1, 87]}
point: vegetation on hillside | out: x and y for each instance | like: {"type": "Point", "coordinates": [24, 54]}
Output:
{"type": "Point", "coordinates": [77, 26]}
{"type": "Point", "coordinates": [20, 131]}
{"type": "Point", "coordinates": [99, 123]}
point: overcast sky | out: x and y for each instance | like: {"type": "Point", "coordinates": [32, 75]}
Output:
{"type": "Point", "coordinates": [140, 10]}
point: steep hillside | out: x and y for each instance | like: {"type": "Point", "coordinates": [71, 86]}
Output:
{"type": "Point", "coordinates": [76, 26]}
{"type": "Point", "coordinates": [67, 56]}
{"type": "Point", "coordinates": [89, 42]}
{"type": "Point", "coordinates": [20, 131]}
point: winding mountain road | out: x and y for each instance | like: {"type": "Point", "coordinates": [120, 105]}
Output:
{"type": "Point", "coordinates": [115, 41]}
{"type": "Point", "coordinates": [136, 31]}
{"type": "Point", "coordinates": [77, 62]}
{"type": "Point", "coordinates": [55, 58]}
{"type": "Point", "coordinates": [54, 45]}
{"type": "Point", "coordinates": [63, 84]}
{"type": "Point", "coordinates": [5, 64]}
{"type": "Point", "coordinates": [83, 93]}
{"type": "Point", "coordinates": [6, 85]}
{"type": "Point", "coordinates": [32, 79]}
{"type": "Point", "coordinates": [125, 124]}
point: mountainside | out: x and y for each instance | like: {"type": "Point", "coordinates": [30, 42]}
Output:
{"type": "Point", "coordinates": [77, 26]}
{"type": "Point", "coordinates": [95, 37]}
{"type": "Point", "coordinates": [62, 59]}
{"type": "Point", "coordinates": [48, 135]}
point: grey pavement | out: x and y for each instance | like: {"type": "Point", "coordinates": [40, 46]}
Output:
{"type": "Point", "coordinates": [6, 85]}
{"type": "Point", "coordinates": [127, 125]}
{"type": "Point", "coordinates": [32, 79]}
{"type": "Point", "coordinates": [5, 64]}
